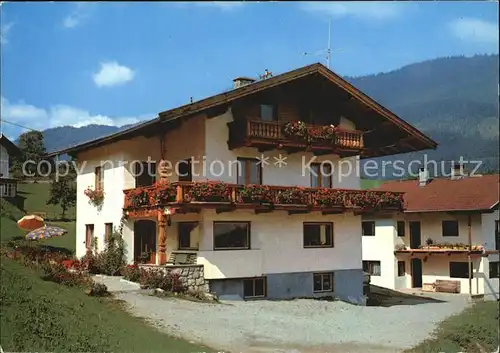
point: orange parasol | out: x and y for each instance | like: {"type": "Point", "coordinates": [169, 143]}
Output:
{"type": "Point", "coordinates": [31, 222]}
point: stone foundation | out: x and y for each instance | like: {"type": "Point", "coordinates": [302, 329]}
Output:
{"type": "Point", "coordinates": [192, 277]}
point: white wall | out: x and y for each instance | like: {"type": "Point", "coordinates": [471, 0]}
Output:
{"type": "Point", "coordinates": [4, 162]}
{"type": "Point", "coordinates": [111, 211]}
{"type": "Point", "coordinates": [277, 245]}
{"type": "Point", "coordinates": [491, 285]}
{"type": "Point", "coordinates": [295, 172]}
{"type": "Point", "coordinates": [381, 248]}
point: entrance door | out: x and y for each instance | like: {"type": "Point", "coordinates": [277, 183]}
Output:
{"type": "Point", "coordinates": [416, 273]}
{"type": "Point", "coordinates": [145, 241]}
{"type": "Point", "coordinates": [415, 235]}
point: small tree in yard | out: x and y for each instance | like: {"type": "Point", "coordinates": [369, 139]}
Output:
{"type": "Point", "coordinates": [32, 149]}
{"type": "Point", "coordinates": [63, 190]}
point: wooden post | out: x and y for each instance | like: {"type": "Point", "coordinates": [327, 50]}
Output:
{"type": "Point", "coordinates": [469, 226]}
{"type": "Point", "coordinates": [162, 238]}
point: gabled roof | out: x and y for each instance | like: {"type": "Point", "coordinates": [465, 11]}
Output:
{"type": "Point", "coordinates": [11, 148]}
{"type": "Point", "coordinates": [475, 193]}
{"type": "Point", "coordinates": [244, 91]}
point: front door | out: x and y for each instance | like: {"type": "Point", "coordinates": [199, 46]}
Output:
{"type": "Point", "coordinates": [145, 241]}
{"type": "Point", "coordinates": [415, 235]}
{"type": "Point", "coordinates": [416, 273]}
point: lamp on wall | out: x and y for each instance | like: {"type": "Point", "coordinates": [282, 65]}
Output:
{"type": "Point", "coordinates": [168, 212]}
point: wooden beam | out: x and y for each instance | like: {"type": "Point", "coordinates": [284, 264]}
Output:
{"type": "Point", "coordinates": [162, 238]}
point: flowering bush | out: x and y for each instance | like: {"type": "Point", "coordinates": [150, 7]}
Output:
{"type": "Point", "coordinates": [96, 197]}
{"type": "Point", "coordinates": [376, 200]}
{"type": "Point", "coordinates": [161, 193]}
{"type": "Point", "coordinates": [138, 197]}
{"type": "Point", "coordinates": [321, 132]}
{"type": "Point", "coordinates": [208, 191]}
{"type": "Point", "coordinates": [131, 273]}
{"type": "Point", "coordinates": [255, 193]}
{"type": "Point", "coordinates": [329, 197]}
{"type": "Point", "coordinates": [169, 282]}
{"type": "Point", "coordinates": [293, 196]}
{"type": "Point", "coordinates": [296, 128]}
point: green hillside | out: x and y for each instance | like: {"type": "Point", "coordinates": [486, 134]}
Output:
{"type": "Point", "coordinates": [32, 198]}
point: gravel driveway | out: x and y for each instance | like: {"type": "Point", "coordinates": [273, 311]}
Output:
{"type": "Point", "coordinates": [306, 326]}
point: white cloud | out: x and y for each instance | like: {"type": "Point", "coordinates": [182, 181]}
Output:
{"type": "Point", "coordinates": [369, 10]}
{"type": "Point", "coordinates": [113, 74]}
{"type": "Point", "coordinates": [78, 15]}
{"type": "Point", "coordinates": [60, 115]}
{"type": "Point", "coordinates": [4, 32]}
{"type": "Point", "coordinates": [475, 30]}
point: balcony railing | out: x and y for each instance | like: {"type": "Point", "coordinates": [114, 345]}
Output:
{"type": "Point", "coordinates": [216, 194]}
{"type": "Point", "coordinates": [252, 131]}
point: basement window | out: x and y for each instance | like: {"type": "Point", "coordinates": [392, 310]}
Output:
{"type": "Point", "coordinates": [323, 282]}
{"type": "Point", "coordinates": [368, 228]}
{"type": "Point", "coordinates": [450, 228]}
{"type": "Point", "coordinates": [459, 269]}
{"type": "Point", "coordinates": [254, 287]}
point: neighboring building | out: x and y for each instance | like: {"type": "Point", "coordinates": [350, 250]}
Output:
{"type": "Point", "coordinates": [8, 185]}
{"type": "Point", "coordinates": [304, 241]}
{"type": "Point", "coordinates": [427, 245]}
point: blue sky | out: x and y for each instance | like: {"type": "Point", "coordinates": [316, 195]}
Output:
{"type": "Point", "coordinates": [118, 63]}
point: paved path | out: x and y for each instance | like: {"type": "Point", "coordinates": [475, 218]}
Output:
{"type": "Point", "coordinates": [302, 326]}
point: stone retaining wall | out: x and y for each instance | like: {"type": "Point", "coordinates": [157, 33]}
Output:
{"type": "Point", "coordinates": [192, 276]}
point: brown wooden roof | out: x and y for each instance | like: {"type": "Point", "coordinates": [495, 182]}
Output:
{"type": "Point", "coordinates": [222, 99]}
{"type": "Point", "coordinates": [478, 193]}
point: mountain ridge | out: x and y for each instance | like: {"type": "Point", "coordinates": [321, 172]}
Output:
{"type": "Point", "coordinates": [454, 100]}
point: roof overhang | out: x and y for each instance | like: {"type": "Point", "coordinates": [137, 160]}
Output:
{"type": "Point", "coordinates": [223, 100]}
{"type": "Point", "coordinates": [11, 148]}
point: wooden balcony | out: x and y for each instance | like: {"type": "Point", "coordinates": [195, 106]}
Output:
{"type": "Point", "coordinates": [187, 197]}
{"type": "Point", "coordinates": [426, 251]}
{"type": "Point", "coordinates": [269, 135]}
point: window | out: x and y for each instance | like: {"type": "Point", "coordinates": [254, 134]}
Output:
{"type": "Point", "coordinates": [254, 287]}
{"type": "Point", "coordinates": [185, 170]}
{"type": "Point", "coordinates": [368, 228]}
{"type": "Point", "coordinates": [108, 230]}
{"type": "Point", "coordinates": [186, 241]}
{"type": "Point", "coordinates": [401, 268]}
{"type": "Point", "coordinates": [231, 235]}
{"type": "Point", "coordinates": [372, 267]}
{"type": "Point", "coordinates": [401, 228]}
{"type": "Point", "coordinates": [8, 190]}
{"type": "Point", "coordinates": [459, 269]}
{"type": "Point", "coordinates": [321, 175]}
{"type": "Point", "coordinates": [450, 228]}
{"type": "Point", "coordinates": [89, 235]}
{"type": "Point", "coordinates": [494, 269]}
{"type": "Point", "coordinates": [145, 174]}
{"type": "Point", "coordinates": [249, 171]}
{"type": "Point", "coordinates": [268, 112]}
{"type": "Point", "coordinates": [323, 282]}
{"type": "Point", "coordinates": [99, 178]}
{"type": "Point", "coordinates": [497, 235]}
{"type": "Point", "coordinates": [318, 235]}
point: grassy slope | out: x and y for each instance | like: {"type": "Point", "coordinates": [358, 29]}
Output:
{"type": "Point", "coordinates": [44, 316]}
{"type": "Point", "coordinates": [33, 198]}
{"type": "Point", "coordinates": [462, 332]}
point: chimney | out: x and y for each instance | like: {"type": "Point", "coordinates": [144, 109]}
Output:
{"type": "Point", "coordinates": [242, 81]}
{"type": "Point", "coordinates": [423, 177]}
{"type": "Point", "coordinates": [457, 171]}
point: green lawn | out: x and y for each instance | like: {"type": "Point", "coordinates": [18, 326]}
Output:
{"type": "Point", "coordinates": [40, 316]}
{"type": "Point", "coordinates": [11, 212]}
{"type": "Point", "coordinates": [475, 326]}
{"type": "Point", "coordinates": [35, 200]}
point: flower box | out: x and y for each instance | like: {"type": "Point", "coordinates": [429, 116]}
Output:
{"type": "Point", "coordinates": [209, 192]}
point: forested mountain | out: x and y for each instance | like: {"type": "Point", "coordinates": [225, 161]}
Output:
{"type": "Point", "coordinates": [454, 100]}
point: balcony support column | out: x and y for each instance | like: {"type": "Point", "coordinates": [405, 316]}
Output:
{"type": "Point", "coordinates": [162, 238]}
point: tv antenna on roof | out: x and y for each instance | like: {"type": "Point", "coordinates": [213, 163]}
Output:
{"type": "Point", "coordinates": [328, 51]}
